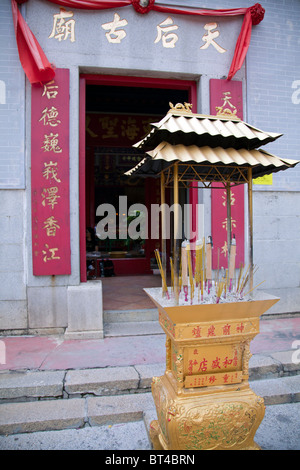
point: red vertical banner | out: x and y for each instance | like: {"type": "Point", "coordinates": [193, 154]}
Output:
{"type": "Point", "coordinates": [226, 95]}
{"type": "Point", "coordinates": [50, 185]}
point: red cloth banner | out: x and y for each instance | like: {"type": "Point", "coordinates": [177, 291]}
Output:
{"type": "Point", "coordinates": [50, 204]}
{"type": "Point", "coordinates": [228, 96]}
{"type": "Point", "coordinates": [38, 69]}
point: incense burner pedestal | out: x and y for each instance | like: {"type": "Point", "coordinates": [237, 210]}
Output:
{"type": "Point", "coordinates": [203, 401]}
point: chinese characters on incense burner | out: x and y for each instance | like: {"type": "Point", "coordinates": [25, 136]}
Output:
{"type": "Point", "coordinates": [198, 284]}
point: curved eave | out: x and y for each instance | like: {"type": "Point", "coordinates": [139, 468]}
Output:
{"type": "Point", "coordinates": [213, 164]}
{"type": "Point", "coordinates": [201, 130]}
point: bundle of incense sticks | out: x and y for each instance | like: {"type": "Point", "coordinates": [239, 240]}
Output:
{"type": "Point", "coordinates": [191, 278]}
{"type": "Point", "coordinates": [199, 271]}
{"type": "Point", "coordinates": [172, 274]}
{"type": "Point", "coordinates": [209, 263]}
{"type": "Point", "coordinates": [200, 277]}
{"type": "Point", "coordinates": [184, 269]}
{"type": "Point", "coordinates": [164, 282]}
{"type": "Point", "coordinates": [231, 264]}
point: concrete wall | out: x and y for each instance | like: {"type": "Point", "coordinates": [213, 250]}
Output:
{"type": "Point", "coordinates": [13, 265]}
{"type": "Point", "coordinates": [273, 74]}
{"type": "Point", "coordinates": [276, 247]}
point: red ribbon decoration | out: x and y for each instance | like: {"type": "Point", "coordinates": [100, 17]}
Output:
{"type": "Point", "coordinates": [38, 69]}
{"type": "Point", "coordinates": [140, 9]}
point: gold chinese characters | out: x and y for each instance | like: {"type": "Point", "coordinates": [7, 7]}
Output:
{"type": "Point", "coordinates": [167, 32]}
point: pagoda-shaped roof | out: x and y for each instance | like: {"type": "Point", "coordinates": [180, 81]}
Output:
{"type": "Point", "coordinates": [181, 126]}
{"type": "Point", "coordinates": [207, 148]}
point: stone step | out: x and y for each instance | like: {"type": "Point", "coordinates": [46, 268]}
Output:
{"type": "Point", "coordinates": [132, 328]}
{"type": "Point", "coordinates": [139, 315]}
{"type": "Point", "coordinates": [279, 430]}
{"type": "Point", "coordinates": [278, 391]}
{"type": "Point", "coordinates": [73, 413]}
{"type": "Point", "coordinates": [40, 385]}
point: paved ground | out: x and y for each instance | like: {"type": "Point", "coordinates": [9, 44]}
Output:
{"type": "Point", "coordinates": [95, 394]}
{"type": "Point", "coordinates": [278, 431]}
{"type": "Point", "coordinates": [125, 347]}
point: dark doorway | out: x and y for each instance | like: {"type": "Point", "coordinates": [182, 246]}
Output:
{"type": "Point", "coordinates": [117, 116]}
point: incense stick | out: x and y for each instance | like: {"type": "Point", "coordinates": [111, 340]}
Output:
{"type": "Point", "coordinates": [184, 265]}
{"type": "Point", "coordinates": [254, 288]}
{"type": "Point", "coordinates": [165, 288]}
{"type": "Point", "coordinates": [172, 274]}
{"type": "Point", "coordinates": [191, 279]}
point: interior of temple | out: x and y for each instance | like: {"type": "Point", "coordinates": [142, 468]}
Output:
{"type": "Point", "coordinates": [116, 118]}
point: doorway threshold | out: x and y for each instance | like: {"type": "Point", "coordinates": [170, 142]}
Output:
{"type": "Point", "coordinates": [125, 293]}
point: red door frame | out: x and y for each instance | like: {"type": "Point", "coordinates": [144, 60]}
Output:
{"type": "Point", "coordinates": [116, 80]}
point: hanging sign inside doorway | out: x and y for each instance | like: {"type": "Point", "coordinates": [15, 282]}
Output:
{"type": "Point", "coordinates": [50, 204]}
{"type": "Point", "coordinates": [226, 97]}
{"type": "Point", "coordinates": [116, 130]}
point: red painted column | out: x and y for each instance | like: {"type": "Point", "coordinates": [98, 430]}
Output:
{"type": "Point", "coordinates": [229, 95]}
{"type": "Point", "coordinates": [50, 179]}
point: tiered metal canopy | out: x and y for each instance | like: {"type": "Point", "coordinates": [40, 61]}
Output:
{"type": "Point", "coordinates": [184, 147]}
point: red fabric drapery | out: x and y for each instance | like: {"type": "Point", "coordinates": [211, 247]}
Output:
{"type": "Point", "coordinates": [38, 69]}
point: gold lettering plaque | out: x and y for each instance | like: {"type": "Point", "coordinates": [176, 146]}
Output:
{"type": "Point", "coordinates": [207, 380]}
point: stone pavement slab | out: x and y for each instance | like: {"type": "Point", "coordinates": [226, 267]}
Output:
{"type": "Point", "coordinates": [57, 353]}
{"type": "Point", "coordinates": [35, 384]}
{"type": "Point", "coordinates": [276, 391]}
{"type": "Point", "coordinates": [30, 385]}
{"type": "Point", "coordinates": [42, 415]}
{"type": "Point", "coordinates": [64, 413]}
{"type": "Point", "coordinates": [72, 413]}
{"type": "Point", "coordinates": [147, 372]}
{"type": "Point", "coordinates": [126, 328]}
{"type": "Point", "coordinates": [279, 430]}
{"type": "Point", "coordinates": [122, 436]}
{"type": "Point", "coordinates": [108, 380]}
{"type": "Point", "coordinates": [118, 409]}
{"type": "Point", "coordinates": [116, 351]}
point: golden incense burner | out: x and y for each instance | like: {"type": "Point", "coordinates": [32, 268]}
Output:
{"type": "Point", "coordinates": [203, 401]}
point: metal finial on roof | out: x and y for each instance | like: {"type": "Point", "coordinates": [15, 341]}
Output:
{"type": "Point", "coordinates": [185, 107]}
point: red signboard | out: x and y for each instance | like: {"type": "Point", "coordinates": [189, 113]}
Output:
{"type": "Point", "coordinates": [219, 224]}
{"type": "Point", "coordinates": [50, 204]}
{"type": "Point", "coordinates": [228, 95]}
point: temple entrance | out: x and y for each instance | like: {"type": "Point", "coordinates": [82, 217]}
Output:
{"type": "Point", "coordinates": [118, 111]}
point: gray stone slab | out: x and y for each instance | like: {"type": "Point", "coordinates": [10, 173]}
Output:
{"type": "Point", "coordinates": [138, 315]}
{"type": "Point", "coordinates": [148, 371]}
{"type": "Point", "coordinates": [289, 364]}
{"type": "Point", "coordinates": [262, 366]}
{"type": "Point", "coordinates": [47, 307]}
{"type": "Point", "coordinates": [110, 380]}
{"type": "Point", "coordinates": [122, 436]}
{"type": "Point", "coordinates": [85, 311]}
{"type": "Point", "coordinates": [15, 385]}
{"type": "Point", "coordinates": [280, 428]}
{"type": "Point", "coordinates": [277, 391]}
{"type": "Point", "coordinates": [42, 415]}
{"type": "Point", "coordinates": [133, 328]}
{"type": "Point", "coordinates": [118, 409]}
